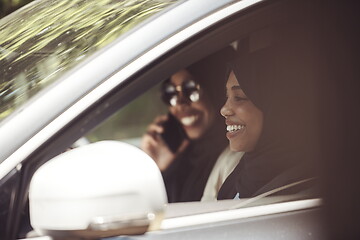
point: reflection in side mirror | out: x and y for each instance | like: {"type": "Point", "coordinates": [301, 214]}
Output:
{"type": "Point", "coordinates": [98, 190]}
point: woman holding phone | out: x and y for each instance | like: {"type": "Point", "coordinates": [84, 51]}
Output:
{"type": "Point", "coordinates": [186, 143]}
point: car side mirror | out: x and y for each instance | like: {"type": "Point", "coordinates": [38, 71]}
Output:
{"type": "Point", "coordinates": [98, 190]}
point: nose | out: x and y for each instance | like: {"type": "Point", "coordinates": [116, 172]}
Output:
{"type": "Point", "coordinates": [226, 110]}
{"type": "Point", "coordinates": [180, 100]}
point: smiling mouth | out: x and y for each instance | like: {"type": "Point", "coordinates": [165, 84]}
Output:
{"type": "Point", "coordinates": [234, 128]}
{"type": "Point", "coordinates": [189, 120]}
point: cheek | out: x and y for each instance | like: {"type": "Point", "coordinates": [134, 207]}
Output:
{"type": "Point", "coordinates": [255, 121]}
{"type": "Point", "coordinates": [252, 117]}
{"type": "Point", "coordinates": [243, 113]}
{"type": "Point", "coordinates": [256, 128]}
{"type": "Point", "coordinates": [250, 114]}
{"type": "Point", "coordinates": [256, 117]}
{"type": "Point", "coordinates": [207, 112]}
{"type": "Point", "coordinates": [260, 121]}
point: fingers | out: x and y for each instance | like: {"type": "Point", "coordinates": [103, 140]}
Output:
{"type": "Point", "coordinates": [161, 119]}
{"type": "Point", "coordinates": [154, 145]}
{"type": "Point", "coordinates": [150, 146]}
{"type": "Point", "coordinates": [183, 146]}
{"type": "Point", "coordinates": [151, 140]}
{"type": "Point", "coordinates": [156, 127]}
{"type": "Point", "coordinates": [148, 141]}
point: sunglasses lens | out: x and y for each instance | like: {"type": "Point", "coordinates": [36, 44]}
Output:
{"type": "Point", "coordinates": [169, 89]}
{"type": "Point", "coordinates": [173, 100]}
{"type": "Point", "coordinates": [194, 96]}
{"type": "Point", "coordinates": [191, 90]}
{"type": "Point", "coordinates": [169, 93]}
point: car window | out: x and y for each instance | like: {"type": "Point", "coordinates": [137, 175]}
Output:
{"type": "Point", "coordinates": [33, 57]}
{"type": "Point", "coordinates": [130, 122]}
{"type": "Point", "coordinates": [267, 47]}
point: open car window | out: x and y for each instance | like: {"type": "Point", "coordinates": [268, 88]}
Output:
{"type": "Point", "coordinates": [130, 122]}
{"type": "Point", "coordinates": [262, 40]}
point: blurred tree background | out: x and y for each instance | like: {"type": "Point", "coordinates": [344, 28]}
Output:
{"type": "Point", "coordinates": [40, 43]}
{"type": "Point", "coordinates": [8, 6]}
{"type": "Point", "coordinates": [131, 121]}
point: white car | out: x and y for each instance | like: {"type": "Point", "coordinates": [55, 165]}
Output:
{"type": "Point", "coordinates": [67, 66]}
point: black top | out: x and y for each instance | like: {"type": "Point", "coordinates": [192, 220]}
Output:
{"type": "Point", "coordinates": [186, 177]}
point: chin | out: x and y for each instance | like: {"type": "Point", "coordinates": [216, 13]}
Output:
{"type": "Point", "coordinates": [236, 148]}
{"type": "Point", "coordinates": [193, 135]}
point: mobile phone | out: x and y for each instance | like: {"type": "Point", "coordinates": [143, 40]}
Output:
{"type": "Point", "coordinates": [174, 134]}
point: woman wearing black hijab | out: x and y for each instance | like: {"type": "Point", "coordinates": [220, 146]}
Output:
{"type": "Point", "coordinates": [270, 114]}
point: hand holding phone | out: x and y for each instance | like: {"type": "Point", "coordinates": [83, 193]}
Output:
{"type": "Point", "coordinates": [173, 133]}
{"type": "Point", "coordinates": [164, 139]}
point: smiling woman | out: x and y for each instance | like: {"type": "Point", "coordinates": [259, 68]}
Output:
{"type": "Point", "coordinates": [197, 117]}
{"type": "Point", "coordinates": [268, 116]}
{"type": "Point", "coordinates": [243, 119]}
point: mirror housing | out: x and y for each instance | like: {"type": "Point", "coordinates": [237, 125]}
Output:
{"type": "Point", "coordinates": [98, 190]}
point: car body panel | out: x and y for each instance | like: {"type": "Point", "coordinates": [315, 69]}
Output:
{"type": "Point", "coordinates": [293, 220]}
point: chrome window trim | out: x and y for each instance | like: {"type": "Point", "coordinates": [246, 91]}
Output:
{"type": "Point", "coordinates": [247, 212]}
{"type": "Point", "coordinates": [57, 124]}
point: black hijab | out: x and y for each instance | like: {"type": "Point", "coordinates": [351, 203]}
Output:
{"type": "Point", "coordinates": [279, 80]}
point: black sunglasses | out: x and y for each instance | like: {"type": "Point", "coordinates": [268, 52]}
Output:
{"type": "Point", "coordinates": [189, 89]}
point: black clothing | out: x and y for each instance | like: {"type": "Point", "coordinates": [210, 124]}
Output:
{"type": "Point", "coordinates": [186, 177]}
{"type": "Point", "coordinates": [279, 80]}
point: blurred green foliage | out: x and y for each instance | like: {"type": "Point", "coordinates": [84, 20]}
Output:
{"type": "Point", "coordinates": [46, 38]}
{"type": "Point", "coordinates": [132, 120]}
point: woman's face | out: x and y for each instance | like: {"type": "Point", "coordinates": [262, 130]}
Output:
{"type": "Point", "coordinates": [244, 120]}
{"type": "Point", "coordinates": [195, 115]}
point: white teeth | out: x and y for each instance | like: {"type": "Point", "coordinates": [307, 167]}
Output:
{"type": "Point", "coordinates": [233, 128]}
{"type": "Point", "coordinates": [187, 121]}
